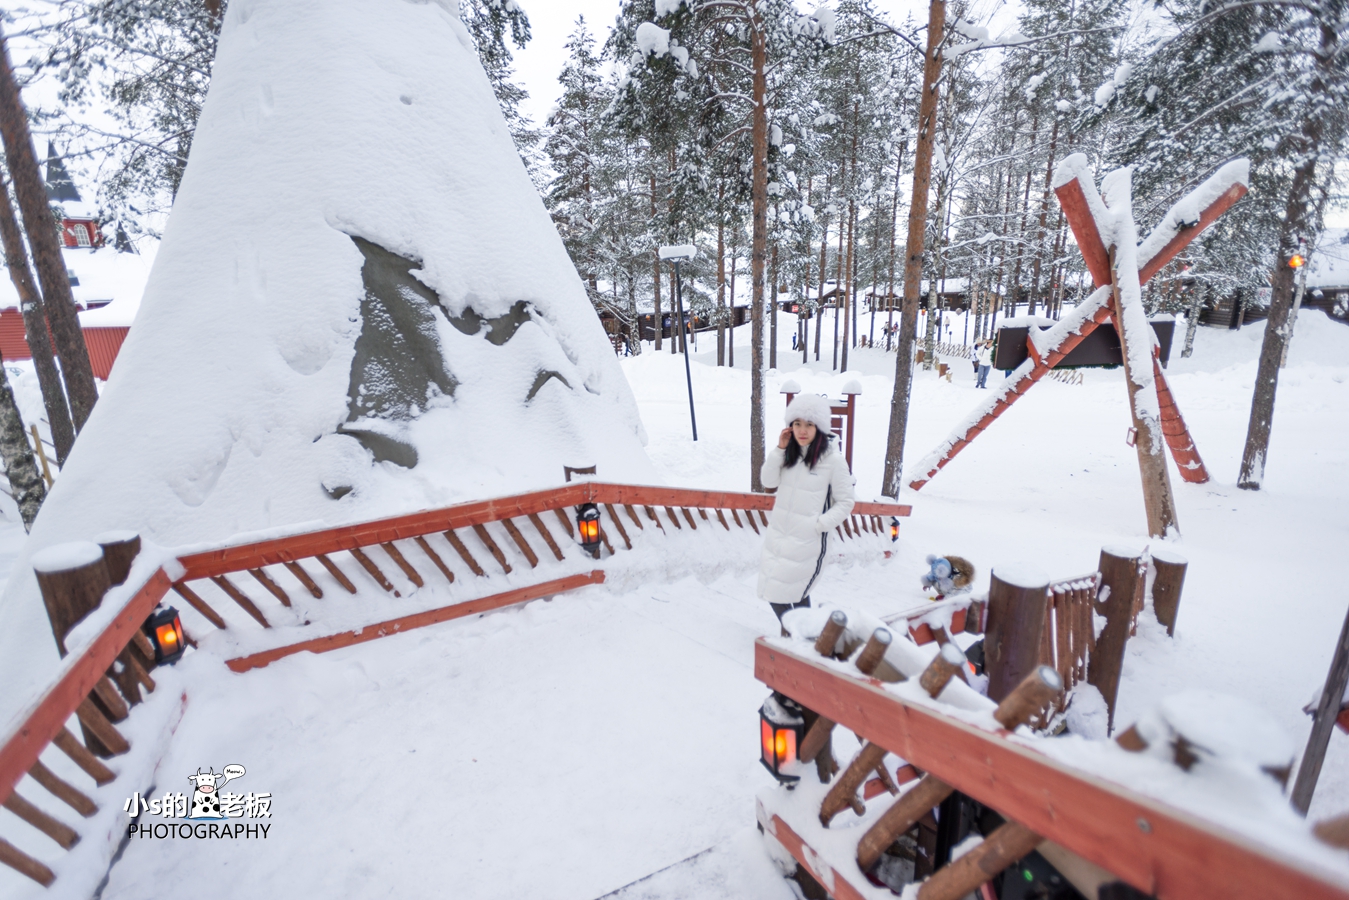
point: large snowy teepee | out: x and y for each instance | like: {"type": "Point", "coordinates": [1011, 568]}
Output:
{"type": "Point", "coordinates": [360, 307]}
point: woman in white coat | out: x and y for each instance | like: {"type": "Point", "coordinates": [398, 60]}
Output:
{"type": "Point", "coordinates": [814, 496]}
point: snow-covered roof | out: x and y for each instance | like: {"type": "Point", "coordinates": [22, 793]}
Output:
{"type": "Point", "coordinates": [111, 281]}
{"type": "Point", "coordinates": [360, 308]}
{"type": "Point", "coordinates": [1328, 266]}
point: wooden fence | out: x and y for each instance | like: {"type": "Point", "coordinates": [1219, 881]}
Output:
{"type": "Point", "coordinates": [102, 682]}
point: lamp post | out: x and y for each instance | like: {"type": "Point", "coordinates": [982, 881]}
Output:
{"type": "Point", "coordinates": [676, 255]}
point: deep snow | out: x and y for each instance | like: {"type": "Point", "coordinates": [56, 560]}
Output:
{"type": "Point", "coordinates": [574, 747]}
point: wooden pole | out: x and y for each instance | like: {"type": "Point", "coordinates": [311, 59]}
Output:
{"type": "Point", "coordinates": [72, 578]}
{"type": "Point", "coordinates": [827, 643]}
{"type": "Point", "coordinates": [1122, 582]}
{"type": "Point", "coordinates": [1033, 694]}
{"type": "Point", "coordinates": [119, 551]}
{"type": "Point", "coordinates": [1166, 586]}
{"type": "Point", "coordinates": [1158, 500]}
{"type": "Point", "coordinates": [1000, 849]}
{"type": "Point", "coordinates": [817, 738]}
{"type": "Point", "coordinates": [1332, 698]}
{"type": "Point", "coordinates": [1016, 613]}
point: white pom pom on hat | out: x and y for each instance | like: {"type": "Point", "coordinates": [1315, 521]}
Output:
{"type": "Point", "coordinates": [813, 408]}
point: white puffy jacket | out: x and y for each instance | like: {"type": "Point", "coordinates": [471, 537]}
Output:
{"type": "Point", "coordinates": [799, 525]}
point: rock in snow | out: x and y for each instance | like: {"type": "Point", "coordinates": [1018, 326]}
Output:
{"type": "Point", "coordinates": [360, 308]}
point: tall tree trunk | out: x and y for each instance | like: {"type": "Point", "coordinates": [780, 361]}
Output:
{"type": "Point", "coordinates": [655, 266]}
{"type": "Point", "coordinates": [677, 337]}
{"type": "Point", "coordinates": [838, 283]}
{"type": "Point", "coordinates": [721, 280]}
{"type": "Point", "coordinates": [1299, 217]}
{"type": "Point", "coordinates": [35, 330]}
{"type": "Point", "coordinates": [1192, 320]}
{"type": "Point", "coordinates": [913, 261]}
{"type": "Point", "coordinates": [846, 295]}
{"type": "Point", "coordinates": [758, 40]}
{"type": "Point", "coordinates": [773, 314]}
{"type": "Point", "coordinates": [42, 240]}
{"type": "Point", "coordinates": [819, 301]}
{"type": "Point", "coordinates": [1041, 232]}
{"type": "Point", "coordinates": [20, 464]}
{"type": "Point", "coordinates": [730, 335]}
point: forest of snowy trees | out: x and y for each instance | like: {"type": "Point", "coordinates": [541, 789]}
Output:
{"type": "Point", "coordinates": [783, 141]}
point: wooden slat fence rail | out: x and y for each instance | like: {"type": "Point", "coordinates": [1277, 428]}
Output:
{"type": "Point", "coordinates": [1158, 849]}
{"type": "Point", "coordinates": [255, 575]}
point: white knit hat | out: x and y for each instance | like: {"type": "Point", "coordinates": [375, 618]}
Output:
{"type": "Point", "coordinates": [813, 408]}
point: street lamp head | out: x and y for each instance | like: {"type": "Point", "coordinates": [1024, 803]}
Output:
{"type": "Point", "coordinates": [678, 252]}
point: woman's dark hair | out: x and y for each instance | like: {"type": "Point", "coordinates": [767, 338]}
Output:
{"type": "Point", "coordinates": [812, 453]}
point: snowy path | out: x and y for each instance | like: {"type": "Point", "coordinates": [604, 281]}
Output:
{"type": "Point", "coordinates": [563, 750]}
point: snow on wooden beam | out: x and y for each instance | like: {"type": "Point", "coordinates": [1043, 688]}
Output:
{"type": "Point", "coordinates": [1159, 849]}
{"type": "Point", "coordinates": [418, 620]}
{"type": "Point", "coordinates": [80, 671]}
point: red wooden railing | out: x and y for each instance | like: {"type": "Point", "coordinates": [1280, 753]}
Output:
{"type": "Point", "coordinates": [1161, 850]}
{"type": "Point", "coordinates": [83, 675]}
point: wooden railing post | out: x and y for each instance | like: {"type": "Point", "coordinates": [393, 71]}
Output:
{"type": "Point", "coordinates": [1122, 584]}
{"type": "Point", "coordinates": [1016, 615]}
{"type": "Point", "coordinates": [1166, 587]}
{"type": "Point", "coordinates": [119, 551]}
{"type": "Point", "coordinates": [73, 578]}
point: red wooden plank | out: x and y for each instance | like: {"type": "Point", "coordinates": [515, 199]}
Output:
{"type": "Point", "coordinates": [347, 537]}
{"type": "Point", "coordinates": [1171, 854]}
{"type": "Point", "coordinates": [22, 746]}
{"type": "Point", "coordinates": [417, 620]}
{"type": "Point", "coordinates": [1072, 197]}
{"type": "Point", "coordinates": [817, 867]}
{"type": "Point", "coordinates": [1185, 235]}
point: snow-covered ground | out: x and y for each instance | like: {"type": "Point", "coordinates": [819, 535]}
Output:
{"type": "Point", "coordinates": [573, 748]}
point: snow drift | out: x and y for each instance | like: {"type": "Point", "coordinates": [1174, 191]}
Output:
{"type": "Point", "coordinates": [360, 308]}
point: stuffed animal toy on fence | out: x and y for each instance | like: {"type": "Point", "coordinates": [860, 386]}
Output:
{"type": "Point", "coordinates": [948, 574]}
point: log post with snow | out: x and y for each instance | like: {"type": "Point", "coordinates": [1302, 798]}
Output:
{"type": "Point", "coordinates": [1016, 614]}
{"type": "Point", "coordinates": [73, 578]}
{"type": "Point", "coordinates": [1170, 568]}
{"type": "Point", "coordinates": [1122, 582]}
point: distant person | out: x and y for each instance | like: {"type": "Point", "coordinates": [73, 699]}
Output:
{"type": "Point", "coordinates": [814, 496]}
{"type": "Point", "coordinates": [984, 357]}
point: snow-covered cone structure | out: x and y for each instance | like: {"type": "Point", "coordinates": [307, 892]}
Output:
{"type": "Point", "coordinates": [360, 307]}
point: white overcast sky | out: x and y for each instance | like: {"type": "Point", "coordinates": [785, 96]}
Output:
{"type": "Point", "coordinates": [551, 21]}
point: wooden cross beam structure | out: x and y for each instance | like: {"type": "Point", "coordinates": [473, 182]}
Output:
{"type": "Point", "coordinates": [1092, 220]}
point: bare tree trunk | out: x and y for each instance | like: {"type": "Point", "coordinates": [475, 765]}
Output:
{"type": "Point", "coordinates": [655, 266]}
{"type": "Point", "coordinates": [35, 330]}
{"type": "Point", "coordinates": [846, 295]}
{"type": "Point", "coordinates": [1192, 320]}
{"type": "Point", "coordinates": [819, 301]}
{"type": "Point", "coordinates": [1299, 216]}
{"type": "Point", "coordinates": [758, 40]}
{"type": "Point", "coordinates": [838, 284]}
{"type": "Point", "coordinates": [20, 465]}
{"type": "Point", "coordinates": [913, 262]}
{"type": "Point", "coordinates": [721, 281]}
{"type": "Point", "coordinates": [773, 315]}
{"type": "Point", "coordinates": [42, 240]}
{"type": "Point", "coordinates": [730, 337]}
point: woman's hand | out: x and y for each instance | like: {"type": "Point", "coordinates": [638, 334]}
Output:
{"type": "Point", "coordinates": [784, 438]}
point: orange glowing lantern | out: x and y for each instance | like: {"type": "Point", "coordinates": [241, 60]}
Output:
{"type": "Point", "coordinates": [894, 528]}
{"type": "Point", "coordinates": [1296, 261]}
{"type": "Point", "coordinates": [165, 631]}
{"type": "Point", "coordinates": [781, 728]}
{"type": "Point", "coordinates": [588, 525]}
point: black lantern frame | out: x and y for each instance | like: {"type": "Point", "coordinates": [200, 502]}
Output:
{"type": "Point", "coordinates": [588, 528]}
{"type": "Point", "coordinates": [781, 730]}
{"type": "Point", "coordinates": [894, 528]}
{"type": "Point", "coordinates": [165, 630]}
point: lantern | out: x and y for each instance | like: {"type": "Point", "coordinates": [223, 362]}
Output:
{"type": "Point", "coordinates": [781, 728]}
{"type": "Point", "coordinates": [894, 528]}
{"type": "Point", "coordinates": [1296, 261]}
{"type": "Point", "coordinates": [588, 525]}
{"type": "Point", "coordinates": [165, 630]}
